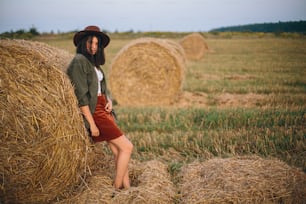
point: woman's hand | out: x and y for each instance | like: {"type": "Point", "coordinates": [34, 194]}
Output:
{"type": "Point", "coordinates": [92, 125]}
{"type": "Point", "coordinates": [94, 130]}
{"type": "Point", "coordinates": [109, 106]}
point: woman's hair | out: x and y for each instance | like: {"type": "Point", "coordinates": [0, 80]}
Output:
{"type": "Point", "coordinates": [97, 59]}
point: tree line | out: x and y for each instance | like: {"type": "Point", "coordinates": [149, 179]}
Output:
{"type": "Point", "coordinates": [21, 33]}
{"type": "Point", "coordinates": [280, 27]}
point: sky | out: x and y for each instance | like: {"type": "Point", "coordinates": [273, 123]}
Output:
{"type": "Point", "coordinates": [144, 15]}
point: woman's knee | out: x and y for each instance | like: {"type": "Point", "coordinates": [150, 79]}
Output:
{"type": "Point", "coordinates": [113, 148]}
{"type": "Point", "coordinates": [123, 144]}
{"type": "Point", "coordinates": [128, 146]}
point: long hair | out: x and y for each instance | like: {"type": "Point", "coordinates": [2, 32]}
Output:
{"type": "Point", "coordinates": [97, 59]}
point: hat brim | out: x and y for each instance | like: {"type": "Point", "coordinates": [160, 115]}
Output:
{"type": "Point", "coordinates": [81, 34]}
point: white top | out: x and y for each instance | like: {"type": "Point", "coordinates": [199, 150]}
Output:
{"type": "Point", "coordinates": [100, 78]}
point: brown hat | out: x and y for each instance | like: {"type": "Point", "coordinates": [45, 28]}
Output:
{"type": "Point", "coordinates": [91, 30]}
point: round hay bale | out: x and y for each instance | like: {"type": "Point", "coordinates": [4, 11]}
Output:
{"type": "Point", "coordinates": [178, 49]}
{"type": "Point", "coordinates": [147, 71]}
{"type": "Point", "coordinates": [45, 151]}
{"type": "Point", "coordinates": [242, 180]}
{"type": "Point", "coordinates": [194, 46]}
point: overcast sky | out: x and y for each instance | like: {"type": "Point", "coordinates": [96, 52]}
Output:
{"type": "Point", "coordinates": [144, 15]}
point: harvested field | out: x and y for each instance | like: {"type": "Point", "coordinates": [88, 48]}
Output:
{"type": "Point", "coordinates": [246, 98]}
{"type": "Point", "coordinates": [225, 100]}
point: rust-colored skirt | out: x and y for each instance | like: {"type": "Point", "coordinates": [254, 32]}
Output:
{"type": "Point", "coordinates": [105, 122]}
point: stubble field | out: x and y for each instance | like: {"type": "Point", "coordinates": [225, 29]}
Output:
{"type": "Point", "coordinates": [247, 96]}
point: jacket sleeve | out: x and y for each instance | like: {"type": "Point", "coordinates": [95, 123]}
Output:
{"type": "Point", "coordinates": [78, 74]}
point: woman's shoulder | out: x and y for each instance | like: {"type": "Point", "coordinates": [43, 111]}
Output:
{"type": "Point", "coordinates": [79, 57]}
{"type": "Point", "coordinates": [79, 61]}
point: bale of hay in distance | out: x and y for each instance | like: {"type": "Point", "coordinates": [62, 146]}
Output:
{"type": "Point", "coordinates": [45, 151]}
{"type": "Point", "coordinates": [147, 71]}
{"type": "Point", "coordinates": [194, 46]}
{"type": "Point", "coordinates": [242, 180]}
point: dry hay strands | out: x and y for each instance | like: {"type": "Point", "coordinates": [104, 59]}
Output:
{"type": "Point", "coordinates": [150, 184]}
{"type": "Point", "coordinates": [194, 46]}
{"type": "Point", "coordinates": [147, 71]}
{"type": "Point", "coordinates": [99, 186]}
{"type": "Point", "coordinates": [153, 185]}
{"type": "Point", "coordinates": [56, 57]}
{"type": "Point", "coordinates": [242, 180]}
{"type": "Point", "coordinates": [45, 151]}
{"type": "Point", "coordinates": [99, 190]}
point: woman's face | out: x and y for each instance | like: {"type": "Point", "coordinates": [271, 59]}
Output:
{"type": "Point", "coordinates": [92, 45]}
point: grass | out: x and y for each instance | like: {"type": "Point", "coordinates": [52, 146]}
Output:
{"type": "Point", "coordinates": [267, 65]}
{"type": "Point", "coordinates": [273, 68]}
{"type": "Point", "coordinates": [200, 133]}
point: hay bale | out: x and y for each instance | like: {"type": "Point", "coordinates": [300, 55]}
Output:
{"type": "Point", "coordinates": [98, 186]}
{"type": "Point", "coordinates": [147, 71]}
{"type": "Point", "coordinates": [150, 184]}
{"type": "Point", "coordinates": [53, 56]}
{"type": "Point", "coordinates": [45, 151]}
{"type": "Point", "coordinates": [153, 185]}
{"type": "Point", "coordinates": [178, 49]}
{"type": "Point", "coordinates": [194, 46]}
{"type": "Point", "coordinates": [99, 189]}
{"type": "Point", "coordinates": [242, 180]}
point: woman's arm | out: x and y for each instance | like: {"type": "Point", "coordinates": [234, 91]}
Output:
{"type": "Point", "coordinates": [92, 125]}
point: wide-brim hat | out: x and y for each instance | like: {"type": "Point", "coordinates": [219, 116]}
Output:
{"type": "Point", "coordinates": [91, 30]}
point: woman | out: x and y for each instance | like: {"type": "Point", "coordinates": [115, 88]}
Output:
{"type": "Point", "coordinates": [96, 106]}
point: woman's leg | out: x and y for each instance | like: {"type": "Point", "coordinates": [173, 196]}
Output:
{"type": "Point", "coordinates": [115, 151]}
{"type": "Point", "coordinates": [126, 179]}
{"type": "Point", "coordinates": [122, 149]}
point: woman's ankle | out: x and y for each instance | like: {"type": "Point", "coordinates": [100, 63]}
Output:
{"type": "Point", "coordinates": [118, 187]}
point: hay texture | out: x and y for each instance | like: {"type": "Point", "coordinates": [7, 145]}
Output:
{"type": "Point", "coordinates": [194, 46]}
{"type": "Point", "coordinates": [147, 71]}
{"type": "Point", "coordinates": [150, 184]}
{"type": "Point", "coordinates": [53, 56]}
{"type": "Point", "coordinates": [98, 186]}
{"type": "Point", "coordinates": [44, 148]}
{"type": "Point", "coordinates": [242, 180]}
{"type": "Point", "coordinates": [99, 190]}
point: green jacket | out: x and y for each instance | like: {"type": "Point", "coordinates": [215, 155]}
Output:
{"type": "Point", "coordinates": [85, 81]}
